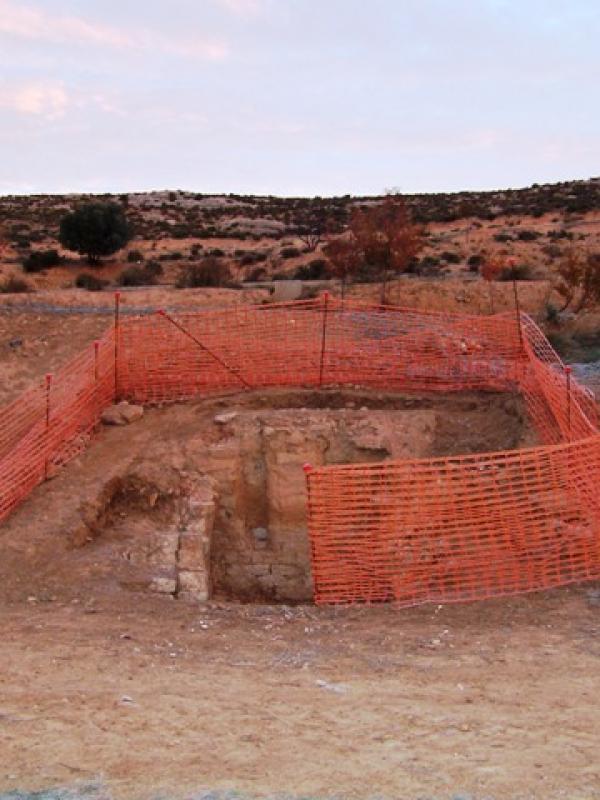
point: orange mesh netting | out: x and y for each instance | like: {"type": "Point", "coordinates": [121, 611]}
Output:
{"type": "Point", "coordinates": [442, 529]}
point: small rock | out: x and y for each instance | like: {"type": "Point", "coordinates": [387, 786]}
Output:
{"type": "Point", "coordinates": [121, 414]}
{"type": "Point", "coordinates": [14, 343]}
{"type": "Point", "coordinates": [338, 688]}
{"type": "Point", "coordinates": [112, 416]}
{"type": "Point", "coordinates": [260, 534]}
{"type": "Point", "coordinates": [223, 419]}
{"type": "Point", "coordinates": [130, 413]}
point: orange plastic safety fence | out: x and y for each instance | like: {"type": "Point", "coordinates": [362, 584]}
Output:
{"type": "Point", "coordinates": [464, 528]}
{"type": "Point", "coordinates": [440, 529]}
{"type": "Point", "coordinates": [53, 421]}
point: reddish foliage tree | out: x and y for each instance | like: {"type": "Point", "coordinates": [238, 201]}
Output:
{"type": "Point", "coordinates": [491, 268]}
{"type": "Point", "coordinates": [386, 238]}
{"type": "Point", "coordinates": [489, 271]}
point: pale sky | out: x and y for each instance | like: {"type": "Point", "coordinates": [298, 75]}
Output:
{"type": "Point", "coordinates": [297, 97]}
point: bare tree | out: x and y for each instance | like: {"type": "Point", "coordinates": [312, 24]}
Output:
{"type": "Point", "coordinates": [344, 259]}
{"type": "Point", "coordinates": [579, 279]}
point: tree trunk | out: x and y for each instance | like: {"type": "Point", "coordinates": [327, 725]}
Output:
{"type": "Point", "coordinates": [582, 301]}
{"type": "Point", "coordinates": [384, 288]}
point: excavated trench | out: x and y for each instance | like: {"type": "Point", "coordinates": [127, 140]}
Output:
{"type": "Point", "coordinates": [208, 499]}
{"type": "Point", "coordinates": [259, 545]}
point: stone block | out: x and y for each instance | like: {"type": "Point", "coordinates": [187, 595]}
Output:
{"type": "Point", "coordinates": [161, 548]}
{"type": "Point", "coordinates": [163, 585]}
{"type": "Point", "coordinates": [193, 551]}
{"type": "Point", "coordinates": [194, 583]}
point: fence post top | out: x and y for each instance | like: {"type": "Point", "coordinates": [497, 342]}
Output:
{"type": "Point", "coordinates": [48, 377]}
{"type": "Point", "coordinates": [307, 467]}
{"type": "Point", "coordinates": [161, 312]}
{"type": "Point", "coordinates": [568, 369]}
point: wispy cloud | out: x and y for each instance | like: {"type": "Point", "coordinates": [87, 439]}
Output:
{"type": "Point", "coordinates": [46, 99]}
{"type": "Point", "coordinates": [242, 8]}
{"type": "Point", "coordinates": [36, 24]}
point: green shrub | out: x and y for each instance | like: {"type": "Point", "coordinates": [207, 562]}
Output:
{"type": "Point", "coordinates": [429, 267]}
{"type": "Point", "coordinates": [552, 314]}
{"type": "Point", "coordinates": [450, 257]}
{"type": "Point", "coordinates": [21, 242]}
{"type": "Point", "coordinates": [14, 285]}
{"type": "Point", "coordinates": [39, 260]}
{"type": "Point", "coordinates": [153, 268]}
{"type": "Point", "coordinates": [289, 252]}
{"type": "Point", "coordinates": [210, 272]}
{"type": "Point", "coordinates": [316, 270]}
{"type": "Point", "coordinates": [252, 257]}
{"type": "Point", "coordinates": [474, 262]}
{"type": "Point", "coordinates": [561, 234]}
{"type": "Point", "coordinates": [95, 230]}
{"type": "Point", "coordinates": [528, 236]}
{"type": "Point", "coordinates": [257, 274]}
{"type": "Point", "coordinates": [520, 272]}
{"type": "Point", "coordinates": [141, 276]}
{"type": "Point", "coordinates": [90, 282]}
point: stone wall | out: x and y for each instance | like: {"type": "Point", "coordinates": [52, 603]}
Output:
{"type": "Point", "coordinates": [260, 543]}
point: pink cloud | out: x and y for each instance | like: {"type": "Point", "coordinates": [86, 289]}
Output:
{"type": "Point", "coordinates": [31, 22]}
{"type": "Point", "coordinates": [38, 98]}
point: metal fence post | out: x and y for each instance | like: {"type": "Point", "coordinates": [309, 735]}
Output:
{"type": "Point", "coordinates": [323, 336]}
{"type": "Point", "coordinates": [117, 325]}
{"type": "Point", "coordinates": [518, 313]}
{"type": "Point", "coordinates": [47, 426]}
{"type": "Point", "coordinates": [568, 371]}
{"type": "Point", "coordinates": [96, 372]}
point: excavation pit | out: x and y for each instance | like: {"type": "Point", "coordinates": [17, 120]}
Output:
{"type": "Point", "coordinates": [208, 499]}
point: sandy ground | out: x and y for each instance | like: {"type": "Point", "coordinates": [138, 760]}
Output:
{"type": "Point", "coordinates": [155, 697]}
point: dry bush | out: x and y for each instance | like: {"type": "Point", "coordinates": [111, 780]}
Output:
{"type": "Point", "coordinates": [579, 279]}
{"type": "Point", "coordinates": [210, 272]}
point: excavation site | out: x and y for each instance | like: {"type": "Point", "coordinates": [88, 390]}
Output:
{"type": "Point", "coordinates": [305, 451]}
{"type": "Point", "coordinates": [260, 541]}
